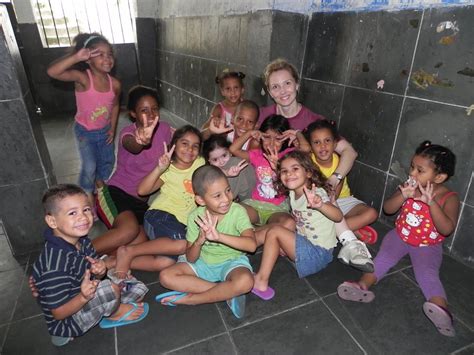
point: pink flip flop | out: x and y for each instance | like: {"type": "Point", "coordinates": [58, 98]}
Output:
{"type": "Point", "coordinates": [368, 235]}
{"type": "Point", "coordinates": [266, 295]}
{"type": "Point", "coordinates": [352, 291]}
{"type": "Point", "coordinates": [440, 317]}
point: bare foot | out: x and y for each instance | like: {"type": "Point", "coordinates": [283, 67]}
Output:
{"type": "Point", "coordinates": [177, 299]}
{"type": "Point", "coordinates": [124, 308]}
{"type": "Point", "coordinates": [259, 283]}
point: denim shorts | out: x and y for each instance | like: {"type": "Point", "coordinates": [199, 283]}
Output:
{"type": "Point", "coordinates": [310, 258]}
{"type": "Point", "coordinates": [218, 272]}
{"type": "Point", "coordinates": [158, 224]}
{"type": "Point", "coordinates": [97, 157]}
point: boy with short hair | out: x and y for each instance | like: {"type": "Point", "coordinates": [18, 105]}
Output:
{"type": "Point", "coordinates": [218, 234]}
{"type": "Point", "coordinates": [67, 273]}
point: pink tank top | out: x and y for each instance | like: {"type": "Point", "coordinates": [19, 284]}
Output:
{"type": "Point", "coordinates": [226, 114]}
{"type": "Point", "coordinates": [415, 225]}
{"type": "Point", "coordinates": [94, 107]}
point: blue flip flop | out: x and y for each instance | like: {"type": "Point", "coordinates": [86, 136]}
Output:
{"type": "Point", "coordinates": [107, 323]}
{"type": "Point", "coordinates": [178, 295]}
{"type": "Point", "coordinates": [237, 306]}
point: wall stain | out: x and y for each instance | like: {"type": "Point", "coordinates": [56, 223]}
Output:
{"type": "Point", "coordinates": [365, 67]}
{"type": "Point", "coordinates": [439, 64]}
{"type": "Point", "coordinates": [414, 23]}
{"type": "Point", "coordinates": [467, 71]}
{"type": "Point", "coordinates": [423, 80]}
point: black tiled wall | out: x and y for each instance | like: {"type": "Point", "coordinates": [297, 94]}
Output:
{"type": "Point", "coordinates": [26, 167]}
{"type": "Point", "coordinates": [341, 56]}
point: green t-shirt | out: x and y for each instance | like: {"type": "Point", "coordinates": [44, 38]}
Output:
{"type": "Point", "coordinates": [234, 223]}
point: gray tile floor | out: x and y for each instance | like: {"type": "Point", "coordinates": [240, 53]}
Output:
{"type": "Point", "coordinates": [306, 316]}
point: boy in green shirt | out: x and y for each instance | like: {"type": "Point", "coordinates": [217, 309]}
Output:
{"type": "Point", "coordinates": [218, 234]}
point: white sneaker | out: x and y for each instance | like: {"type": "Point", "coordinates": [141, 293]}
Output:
{"type": "Point", "coordinates": [356, 254]}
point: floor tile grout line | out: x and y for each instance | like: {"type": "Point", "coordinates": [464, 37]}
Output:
{"type": "Point", "coordinates": [344, 327]}
{"type": "Point", "coordinates": [195, 343]}
{"type": "Point", "coordinates": [276, 314]}
{"type": "Point", "coordinates": [227, 328]}
{"type": "Point", "coordinates": [455, 317]}
{"type": "Point", "coordinates": [116, 341]}
{"type": "Point", "coordinates": [461, 349]}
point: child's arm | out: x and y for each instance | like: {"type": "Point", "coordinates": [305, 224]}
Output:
{"type": "Point", "coordinates": [60, 68]}
{"type": "Point", "coordinates": [193, 250]}
{"type": "Point", "coordinates": [296, 135]}
{"type": "Point", "coordinates": [142, 137]}
{"type": "Point", "coordinates": [75, 304]}
{"type": "Point", "coordinates": [245, 242]}
{"type": "Point", "coordinates": [444, 217]}
{"type": "Point", "coordinates": [236, 147]}
{"type": "Point", "coordinates": [117, 87]}
{"type": "Point", "coordinates": [326, 208]}
{"type": "Point", "coordinates": [393, 204]}
{"type": "Point", "coordinates": [347, 158]}
{"type": "Point", "coordinates": [152, 181]}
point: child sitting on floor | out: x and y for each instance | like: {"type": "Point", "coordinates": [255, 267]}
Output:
{"type": "Point", "coordinates": [218, 234]}
{"type": "Point", "coordinates": [68, 274]}
{"type": "Point", "coordinates": [428, 213]}
{"type": "Point", "coordinates": [240, 174]}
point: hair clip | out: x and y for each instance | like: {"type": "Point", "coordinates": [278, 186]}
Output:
{"type": "Point", "coordinates": [86, 42]}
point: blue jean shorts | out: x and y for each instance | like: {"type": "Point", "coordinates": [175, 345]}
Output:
{"type": "Point", "coordinates": [218, 272]}
{"type": "Point", "coordinates": [97, 157]}
{"type": "Point", "coordinates": [310, 258]}
{"type": "Point", "coordinates": [159, 224]}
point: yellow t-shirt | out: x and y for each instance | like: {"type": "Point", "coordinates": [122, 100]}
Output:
{"type": "Point", "coordinates": [327, 172]}
{"type": "Point", "coordinates": [176, 194]}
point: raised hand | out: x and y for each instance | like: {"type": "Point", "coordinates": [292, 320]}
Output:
{"type": "Point", "coordinates": [84, 54]}
{"type": "Point", "coordinates": [236, 169]}
{"type": "Point", "coordinates": [217, 126]}
{"type": "Point", "coordinates": [290, 134]}
{"type": "Point", "coordinates": [165, 160]}
{"type": "Point", "coordinates": [408, 188]}
{"type": "Point", "coordinates": [427, 195]}
{"type": "Point", "coordinates": [272, 157]}
{"type": "Point", "coordinates": [88, 286]}
{"type": "Point", "coordinates": [144, 134]}
{"type": "Point", "coordinates": [98, 267]}
{"type": "Point", "coordinates": [314, 200]}
{"type": "Point", "coordinates": [208, 224]}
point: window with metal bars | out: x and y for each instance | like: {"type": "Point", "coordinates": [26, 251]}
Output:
{"type": "Point", "coordinates": [59, 21]}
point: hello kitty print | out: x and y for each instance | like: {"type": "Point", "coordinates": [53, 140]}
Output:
{"type": "Point", "coordinates": [415, 225]}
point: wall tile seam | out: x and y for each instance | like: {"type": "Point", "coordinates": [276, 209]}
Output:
{"type": "Point", "coordinates": [186, 91]}
{"type": "Point", "coordinates": [386, 93]}
{"type": "Point", "coordinates": [26, 182]}
{"type": "Point", "coordinates": [463, 204]}
{"type": "Point", "coordinates": [407, 85]}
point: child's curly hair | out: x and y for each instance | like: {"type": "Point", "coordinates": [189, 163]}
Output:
{"type": "Point", "coordinates": [316, 178]}
{"type": "Point", "coordinates": [226, 74]}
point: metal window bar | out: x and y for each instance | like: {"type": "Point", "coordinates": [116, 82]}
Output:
{"type": "Point", "coordinates": [54, 22]}
{"type": "Point", "coordinates": [66, 23]}
{"type": "Point", "coordinates": [67, 11]}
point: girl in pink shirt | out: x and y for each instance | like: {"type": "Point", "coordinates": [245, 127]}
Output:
{"type": "Point", "coordinates": [97, 93]}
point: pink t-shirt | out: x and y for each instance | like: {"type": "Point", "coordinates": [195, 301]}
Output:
{"type": "Point", "coordinates": [300, 121]}
{"type": "Point", "coordinates": [94, 107]}
{"type": "Point", "coordinates": [132, 168]}
{"type": "Point", "coordinates": [265, 176]}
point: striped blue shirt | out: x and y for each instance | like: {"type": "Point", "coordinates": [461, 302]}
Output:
{"type": "Point", "coordinates": [58, 275]}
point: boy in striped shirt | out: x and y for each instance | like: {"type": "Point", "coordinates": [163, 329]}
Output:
{"type": "Point", "coordinates": [68, 274]}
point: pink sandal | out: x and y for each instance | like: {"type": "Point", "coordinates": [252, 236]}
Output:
{"type": "Point", "coordinates": [440, 317]}
{"type": "Point", "coordinates": [352, 291]}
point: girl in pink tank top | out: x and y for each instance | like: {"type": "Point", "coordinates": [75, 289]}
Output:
{"type": "Point", "coordinates": [97, 93]}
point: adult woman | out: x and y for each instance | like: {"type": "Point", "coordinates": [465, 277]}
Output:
{"type": "Point", "coordinates": [282, 82]}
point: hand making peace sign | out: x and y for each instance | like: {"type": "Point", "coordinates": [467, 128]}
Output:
{"type": "Point", "coordinates": [165, 160]}
{"type": "Point", "coordinates": [144, 134]}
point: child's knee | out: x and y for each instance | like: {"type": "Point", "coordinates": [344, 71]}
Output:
{"type": "Point", "coordinates": [244, 282]}
{"type": "Point", "coordinates": [166, 276]}
{"type": "Point", "coordinates": [372, 214]}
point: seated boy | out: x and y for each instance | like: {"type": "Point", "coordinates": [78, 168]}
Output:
{"type": "Point", "coordinates": [67, 273]}
{"type": "Point", "coordinates": [218, 234]}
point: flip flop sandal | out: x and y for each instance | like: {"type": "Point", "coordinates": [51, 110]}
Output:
{"type": "Point", "coordinates": [266, 295]}
{"type": "Point", "coordinates": [177, 296]}
{"type": "Point", "coordinates": [237, 306]}
{"type": "Point", "coordinates": [107, 323]}
{"type": "Point", "coordinates": [368, 235]}
{"type": "Point", "coordinates": [351, 291]}
{"type": "Point", "coordinates": [440, 317]}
